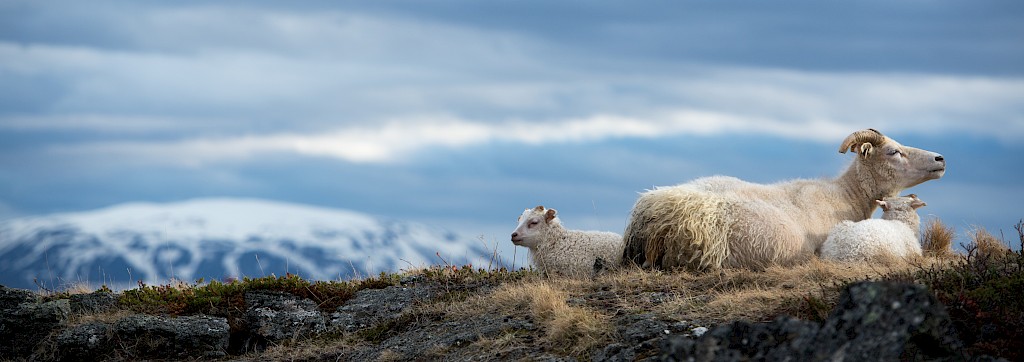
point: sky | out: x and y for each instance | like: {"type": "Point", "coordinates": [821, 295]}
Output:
{"type": "Point", "coordinates": [461, 114]}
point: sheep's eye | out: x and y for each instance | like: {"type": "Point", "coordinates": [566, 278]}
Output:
{"type": "Point", "coordinates": [894, 152]}
{"type": "Point", "coordinates": [534, 222]}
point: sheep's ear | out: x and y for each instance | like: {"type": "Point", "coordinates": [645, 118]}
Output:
{"type": "Point", "coordinates": [882, 204]}
{"type": "Point", "coordinates": [866, 149]}
{"type": "Point", "coordinates": [550, 215]}
{"type": "Point", "coordinates": [539, 208]}
{"type": "Point", "coordinates": [916, 204]}
{"type": "Point", "coordinates": [869, 135]}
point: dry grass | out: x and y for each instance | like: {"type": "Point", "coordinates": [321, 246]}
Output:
{"type": "Point", "coordinates": [390, 356]}
{"type": "Point", "coordinates": [937, 239]}
{"type": "Point", "coordinates": [734, 294]}
{"type": "Point", "coordinates": [711, 297]}
{"type": "Point", "coordinates": [503, 342]}
{"type": "Point", "coordinates": [985, 244]}
{"type": "Point", "coordinates": [574, 329]}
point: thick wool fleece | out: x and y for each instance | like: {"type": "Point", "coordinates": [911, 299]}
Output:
{"type": "Point", "coordinates": [573, 252]}
{"type": "Point", "coordinates": [896, 234]}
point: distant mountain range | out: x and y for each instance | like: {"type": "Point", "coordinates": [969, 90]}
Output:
{"type": "Point", "coordinates": [217, 239]}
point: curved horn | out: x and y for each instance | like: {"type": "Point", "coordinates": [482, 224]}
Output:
{"type": "Point", "coordinates": [869, 135]}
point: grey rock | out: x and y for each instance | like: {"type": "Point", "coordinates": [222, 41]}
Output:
{"type": "Point", "coordinates": [277, 316]}
{"type": "Point", "coordinates": [85, 342]}
{"type": "Point", "coordinates": [636, 329]}
{"type": "Point", "coordinates": [872, 321]}
{"type": "Point", "coordinates": [24, 326]}
{"type": "Point", "coordinates": [373, 306]}
{"type": "Point", "coordinates": [11, 298]}
{"type": "Point", "coordinates": [698, 331]}
{"type": "Point", "coordinates": [145, 336]}
{"type": "Point", "coordinates": [889, 321]}
{"type": "Point", "coordinates": [641, 336]}
{"type": "Point", "coordinates": [95, 302]}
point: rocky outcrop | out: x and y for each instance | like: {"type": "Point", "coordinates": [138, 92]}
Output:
{"type": "Point", "coordinates": [374, 306]}
{"type": "Point", "coordinates": [95, 302]}
{"type": "Point", "coordinates": [873, 321]}
{"type": "Point", "coordinates": [24, 322]}
{"type": "Point", "coordinates": [162, 337]}
{"type": "Point", "coordinates": [272, 317]}
{"type": "Point", "coordinates": [90, 341]}
{"type": "Point", "coordinates": [137, 337]}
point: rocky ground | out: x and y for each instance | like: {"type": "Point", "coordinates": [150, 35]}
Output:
{"type": "Point", "coordinates": [423, 319]}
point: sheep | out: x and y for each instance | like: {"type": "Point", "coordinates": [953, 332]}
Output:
{"type": "Point", "coordinates": [897, 233]}
{"type": "Point", "coordinates": [720, 221]}
{"type": "Point", "coordinates": [556, 250]}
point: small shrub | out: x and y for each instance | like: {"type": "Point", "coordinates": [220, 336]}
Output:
{"type": "Point", "coordinates": [981, 291]}
{"type": "Point", "coordinates": [225, 298]}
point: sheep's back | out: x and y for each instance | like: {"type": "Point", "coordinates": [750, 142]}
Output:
{"type": "Point", "coordinates": [864, 239]}
{"type": "Point", "coordinates": [576, 252]}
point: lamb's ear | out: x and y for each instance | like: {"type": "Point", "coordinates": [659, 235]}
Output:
{"type": "Point", "coordinates": [550, 215]}
{"type": "Point", "coordinates": [539, 208]}
{"type": "Point", "coordinates": [916, 204]}
{"type": "Point", "coordinates": [882, 204]}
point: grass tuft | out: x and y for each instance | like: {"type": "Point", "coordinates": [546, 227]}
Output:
{"type": "Point", "coordinates": [985, 244]}
{"type": "Point", "coordinates": [937, 239]}
{"type": "Point", "coordinates": [570, 329]}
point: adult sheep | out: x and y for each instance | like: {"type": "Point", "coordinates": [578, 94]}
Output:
{"type": "Point", "coordinates": [721, 221]}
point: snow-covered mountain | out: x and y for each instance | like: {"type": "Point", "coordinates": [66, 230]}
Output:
{"type": "Point", "coordinates": [216, 239]}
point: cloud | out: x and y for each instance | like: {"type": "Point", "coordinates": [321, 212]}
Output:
{"type": "Point", "coordinates": [202, 84]}
{"type": "Point", "coordinates": [815, 106]}
{"type": "Point", "coordinates": [397, 141]}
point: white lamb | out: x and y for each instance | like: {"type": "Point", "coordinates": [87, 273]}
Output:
{"type": "Point", "coordinates": [897, 233]}
{"type": "Point", "coordinates": [553, 249]}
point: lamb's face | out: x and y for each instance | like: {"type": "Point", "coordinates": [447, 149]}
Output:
{"type": "Point", "coordinates": [902, 208]}
{"type": "Point", "coordinates": [533, 224]}
{"type": "Point", "coordinates": [906, 204]}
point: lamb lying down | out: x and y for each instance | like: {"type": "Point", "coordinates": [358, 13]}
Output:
{"type": "Point", "coordinates": [555, 250]}
{"type": "Point", "coordinates": [897, 233]}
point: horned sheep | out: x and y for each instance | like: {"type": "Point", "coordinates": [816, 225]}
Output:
{"type": "Point", "coordinates": [897, 233]}
{"type": "Point", "coordinates": [721, 221]}
{"type": "Point", "coordinates": [557, 250]}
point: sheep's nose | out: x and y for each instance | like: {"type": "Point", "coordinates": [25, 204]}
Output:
{"type": "Point", "coordinates": [939, 158]}
{"type": "Point", "coordinates": [515, 234]}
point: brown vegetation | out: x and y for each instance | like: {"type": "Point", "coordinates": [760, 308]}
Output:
{"type": "Point", "coordinates": [937, 239]}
